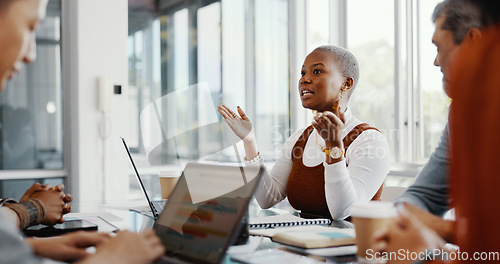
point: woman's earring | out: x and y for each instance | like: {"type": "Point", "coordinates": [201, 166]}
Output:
{"type": "Point", "coordinates": [336, 105]}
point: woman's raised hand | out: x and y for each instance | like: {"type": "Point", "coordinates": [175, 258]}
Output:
{"type": "Point", "coordinates": [329, 126]}
{"type": "Point", "coordinates": [240, 123]}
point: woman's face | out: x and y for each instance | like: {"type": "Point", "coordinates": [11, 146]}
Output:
{"type": "Point", "coordinates": [321, 81]}
{"type": "Point", "coordinates": [18, 22]}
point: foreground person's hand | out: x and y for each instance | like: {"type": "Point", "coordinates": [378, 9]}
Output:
{"type": "Point", "coordinates": [129, 248]}
{"type": "Point", "coordinates": [408, 234]}
{"type": "Point", "coordinates": [444, 228]}
{"type": "Point", "coordinates": [56, 203]}
{"type": "Point", "coordinates": [69, 247]}
{"type": "Point", "coordinates": [67, 198]}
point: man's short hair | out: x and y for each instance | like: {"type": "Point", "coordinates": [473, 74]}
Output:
{"type": "Point", "coordinates": [347, 63]}
{"type": "Point", "coordinates": [462, 15]}
{"type": "Point", "coordinates": [4, 4]}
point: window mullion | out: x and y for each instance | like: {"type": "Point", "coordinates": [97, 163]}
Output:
{"type": "Point", "coordinates": [419, 124]}
{"type": "Point", "coordinates": [409, 83]}
{"type": "Point", "coordinates": [400, 150]}
{"type": "Point", "coordinates": [297, 42]}
{"type": "Point", "coordinates": [250, 101]}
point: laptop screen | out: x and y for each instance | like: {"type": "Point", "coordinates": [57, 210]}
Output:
{"type": "Point", "coordinates": [200, 230]}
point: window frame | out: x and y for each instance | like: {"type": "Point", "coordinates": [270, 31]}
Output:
{"type": "Point", "coordinates": [408, 122]}
{"type": "Point", "coordinates": [54, 7]}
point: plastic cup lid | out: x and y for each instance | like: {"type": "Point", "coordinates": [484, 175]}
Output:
{"type": "Point", "coordinates": [170, 173]}
{"type": "Point", "coordinates": [374, 209]}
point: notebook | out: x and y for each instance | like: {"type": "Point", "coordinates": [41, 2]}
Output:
{"type": "Point", "coordinates": [201, 232]}
{"type": "Point", "coordinates": [155, 207]}
{"type": "Point", "coordinates": [319, 237]}
{"type": "Point", "coordinates": [284, 220]}
{"type": "Point", "coordinates": [309, 236]}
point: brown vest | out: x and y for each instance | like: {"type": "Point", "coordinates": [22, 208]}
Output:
{"type": "Point", "coordinates": [306, 185]}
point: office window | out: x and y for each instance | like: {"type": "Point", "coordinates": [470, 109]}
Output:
{"type": "Point", "coordinates": [370, 37]}
{"type": "Point", "coordinates": [241, 50]}
{"type": "Point", "coordinates": [400, 90]}
{"type": "Point", "coordinates": [31, 107]}
{"type": "Point", "coordinates": [243, 61]}
{"type": "Point", "coordinates": [318, 24]}
{"type": "Point", "coordinates": [31, 115]}
{"type": "Point", "coordinates": [238, 49]}
{"type": "Point", "coordinates": [271, 76]}
{"type": "Point", "coordinates": [144, 71]}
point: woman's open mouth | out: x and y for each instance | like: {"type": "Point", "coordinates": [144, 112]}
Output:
{"type": "Point", "coordinates": [306, 94]}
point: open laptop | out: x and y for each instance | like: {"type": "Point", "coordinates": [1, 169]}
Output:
{"type": "Point", "coordinates": [156, 207]}
{"type": "Point", "coordinates": [201, 232]}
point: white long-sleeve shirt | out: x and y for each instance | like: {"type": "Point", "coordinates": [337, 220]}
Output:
{"type": "Point", "coordinates": [368, 157]}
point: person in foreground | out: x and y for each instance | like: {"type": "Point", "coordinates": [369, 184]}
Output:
{"type": "Point", "coordinates": [40, 204]}
{"type": "Point", "coordinates": [338, 160]}
{"type": "Point", "coordinates": [472, 173]}
{"type": "Point", "coordinates": [428, 198]}
{"type": "Point", "coordinates": [18, 22]}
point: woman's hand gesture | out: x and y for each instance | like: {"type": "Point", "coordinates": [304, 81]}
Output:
{"type": "Point", "coordinates": [329, 126]}
{"type": "Point", "coordinates": [240, 124]}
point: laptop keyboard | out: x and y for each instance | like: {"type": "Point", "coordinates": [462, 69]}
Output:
{"type": "Point", "coordinates": [159, 205]}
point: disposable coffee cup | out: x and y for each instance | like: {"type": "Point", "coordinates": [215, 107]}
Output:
{"type": "Point", "coordinates": [368, 219]}
{"type": "Point", "coordinates": [168, 180]}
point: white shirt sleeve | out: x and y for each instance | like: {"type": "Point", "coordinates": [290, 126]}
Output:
{"type": "Point", "coordinates": [369, 162]}
{"type": "Point", "coordinates": [272, 189]}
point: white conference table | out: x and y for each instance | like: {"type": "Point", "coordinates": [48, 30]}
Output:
{"type": "Point", "coordinates": [118, 214]}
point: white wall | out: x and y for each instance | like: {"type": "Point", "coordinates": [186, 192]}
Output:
{"type": "Point", "coordinates": [95, 44]}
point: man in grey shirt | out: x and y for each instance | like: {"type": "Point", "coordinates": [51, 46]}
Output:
{"type": "Point", "coordinates": [428, 198]}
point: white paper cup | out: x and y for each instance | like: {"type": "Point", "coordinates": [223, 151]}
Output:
{"type": "Point", "coordinates": [168, 180]}
{"type": "Point", "coordinates": [369, 218]}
